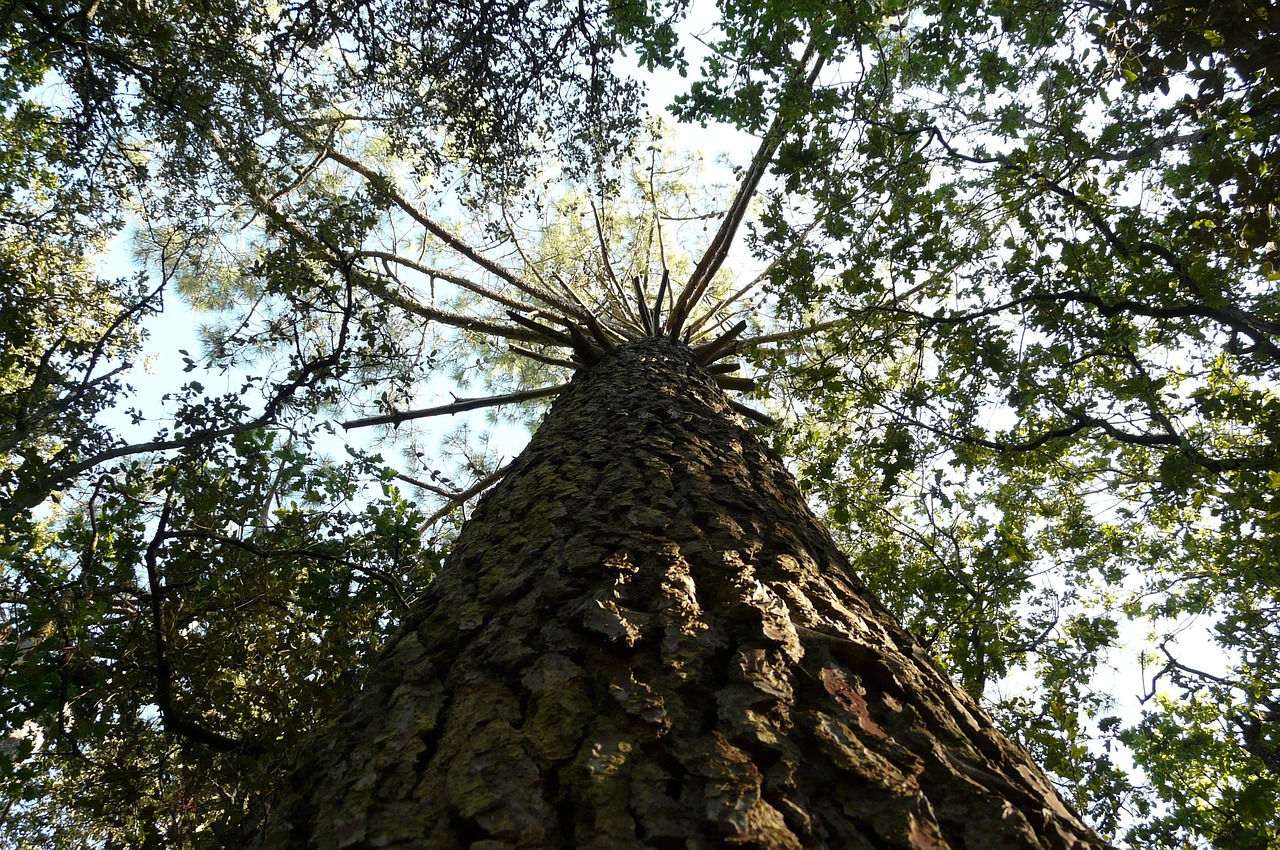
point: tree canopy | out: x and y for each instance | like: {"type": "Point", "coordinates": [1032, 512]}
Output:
{"type": "Point", "coordinates": [1010, 308]}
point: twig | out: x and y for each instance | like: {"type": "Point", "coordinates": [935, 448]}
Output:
{"type": "Point", "coordinates": [460, 498]}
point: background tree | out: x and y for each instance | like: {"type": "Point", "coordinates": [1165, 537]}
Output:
{"type": "Point", "coordinates": [1046, 239]}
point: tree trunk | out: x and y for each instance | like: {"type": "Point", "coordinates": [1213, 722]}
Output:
{"type": "Point", "coordinates": [644, 638]}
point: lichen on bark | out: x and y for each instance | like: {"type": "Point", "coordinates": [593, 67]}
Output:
{"type": "Point", "coordinates": [644, 638]}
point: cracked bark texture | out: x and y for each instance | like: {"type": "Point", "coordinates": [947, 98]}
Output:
{"type": "Point", "coordinates": [644, 638]}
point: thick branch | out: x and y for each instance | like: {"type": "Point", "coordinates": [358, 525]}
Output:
{"type": "Point", "coordinates": [696, 325]}
{"type": "Point", "coordinates": [646, 318]}
{"type": "Point", "coordinates": [545, 334]}
{"type": "Point", "coordinates": [735, 383]}
{"type": "Point", "coordinates": [381, 289]}
{"type": "Point", "coordinates": [721, 346]}
{"type": "Point", "coordinates": [753, 414]}
{"type": "Point", "coordinates": [788, 336]}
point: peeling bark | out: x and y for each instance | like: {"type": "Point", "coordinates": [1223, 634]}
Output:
{"type": "Point", "coordinates": [644, 638]}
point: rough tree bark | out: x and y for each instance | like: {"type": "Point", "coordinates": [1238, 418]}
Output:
{"type": "Point", "coordinates": [644, 638]}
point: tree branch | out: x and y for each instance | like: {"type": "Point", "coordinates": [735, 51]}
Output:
{"type": "Point", "coordinates": [462, 497]}
{"type": "Point", "coordinates": [383, 185]}
{"type": "Point", "coordinates": [457, 280]}
{"type": "Point", "coordinates": [253, 549]}
{"type": "Point", "coordinates": [459, 406]}
{"type": "Point", "coordinates": [753, 414]}
{"type": "Point", "coordinates": [174, 721]}
{"type": "Point", "coordinates": [716, 252]}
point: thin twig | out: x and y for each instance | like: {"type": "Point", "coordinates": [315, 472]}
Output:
{"type": "Point", "coordinates": [461, 498]}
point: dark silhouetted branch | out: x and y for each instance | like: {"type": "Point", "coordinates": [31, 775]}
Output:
{"type": "Point", "coordinates": [547, 334]}
{"type": "Point", "coordinates": [457, 499]}
{"type": "Point", "coordinates": [646, 318]}
{"type": "Point", "coordinates": [716, 252]}
{"type": "Point", "coordinates": [657, 304]}
{"type": "Point", "coordinates": [172, 720]}
{"type": "Point", "coordinates": [543, 358]}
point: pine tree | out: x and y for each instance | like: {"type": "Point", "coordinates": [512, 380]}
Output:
{"type": "Point", "coordinates": [644, 638]}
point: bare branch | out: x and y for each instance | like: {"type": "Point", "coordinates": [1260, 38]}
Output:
{"type": "Point", "coordinates": [604, 248]}
{"type": "Point", "coordinates": [599, 333]}
{"type": "Point", "coordinates": [369, 282]}
{"type": "Point", "coordinates": [716, 252]}
{"type": "Point", "coordinates": [583, 348]}
{"type": "Point", "coordinates": [720, 346]}
{"type": "Point", "coordinates": [559, 282]}
{"type": "Point", "coordinates": [753, 414]}
{"type": "Point", "coordinates": [459, 406]}
{"type": "Point", "coordinates": [788, 336]}
{"type": "Point", "coordinates": [544, 333]}
{"type": "Point", "coordinates": [734, 297]}
{"type": "Point", "coordinates": [735, 383]}
{"type": "Point", "coordinates": [458, 499]}
{"type": "Point", "coordinates": [543, 358]}
{"type": "Point", "coordinates": [383, 185]}
{"type": "Point", "coordinates": [462, 282]}
{"type": "Point", "coordinates": [381, 289]}
{"type": "Point", "coordinates": [662, 292]}
{"type": "Point", "coordinates": [645, 318]}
